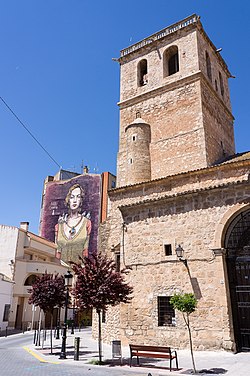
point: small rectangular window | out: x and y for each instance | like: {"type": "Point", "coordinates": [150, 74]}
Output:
{"type": "Point", "coordinates": [166, 313]}
{"type": "Point", "coordinates": [6, 312]}
{"type": "Point", "coordinates": [168, 249]}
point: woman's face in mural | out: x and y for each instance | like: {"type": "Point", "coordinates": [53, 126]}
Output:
{"type": "Point", "coordinates": [75, 199]}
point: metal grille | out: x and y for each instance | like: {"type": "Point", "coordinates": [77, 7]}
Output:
{"type": "Point", "coordinates": [166, 313]}
{"type": "Point", "coordinates": [238, 263]}
{"type": "Point", "coordinates": [238, 234]}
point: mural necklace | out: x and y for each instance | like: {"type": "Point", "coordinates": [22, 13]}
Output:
{"type": "Point", "coordinates": [72, 230]}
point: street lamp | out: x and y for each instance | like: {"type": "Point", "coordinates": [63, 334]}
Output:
{"type": "Point", "coordinates": [68, 283]}
{"type": "Point", "coordinates": [180, 254]}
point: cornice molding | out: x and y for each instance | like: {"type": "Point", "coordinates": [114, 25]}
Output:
{"type": "Point", "coordinates": [182, 194]}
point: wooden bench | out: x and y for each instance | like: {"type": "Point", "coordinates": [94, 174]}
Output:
{"type": "Point", "coordinates": [153, 352]}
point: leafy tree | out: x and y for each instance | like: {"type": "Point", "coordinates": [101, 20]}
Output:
{"type": "Point", "coordinates": [48, 293]}
{"type": "Point", "coordinates": [186, 303]}
{"type": "Point", "coordinates": [99, 285]}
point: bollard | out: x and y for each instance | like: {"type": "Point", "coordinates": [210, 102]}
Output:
{"type": "Point", "coordinates": [76, 348]}
{"type": "Point", "coordinates": [72, 329]}
{"type": "Point", "coordinates": [57, 332]}
{"type": "Point", "coordinates": [36, 338]}
{"type": "Point", "coordinates": [38, 341]}
{"type": "Point", "coordinates": [6, 331]}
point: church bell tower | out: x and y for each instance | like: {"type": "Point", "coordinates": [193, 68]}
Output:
{"type": "Point", "coordinates": [175, 111]}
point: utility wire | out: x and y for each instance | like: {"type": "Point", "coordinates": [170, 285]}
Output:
{"type": "Point", "coordinates": [27, 130]}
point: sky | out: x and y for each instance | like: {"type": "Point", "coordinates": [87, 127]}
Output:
{"type": "Point", "coordinates": [58, 77]}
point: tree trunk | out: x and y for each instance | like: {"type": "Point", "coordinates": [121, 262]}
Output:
{"type": "Point", "coordinates": [39, 327]}
{"type": "Point", "coordinates": [99, 335]}
{"type": "Point", "coordinates": [51, 330]}
{"type": "Point", "coordinates": [191, 343]}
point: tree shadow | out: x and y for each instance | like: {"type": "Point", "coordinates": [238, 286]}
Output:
{"type": "Point", "coordinates": [151, 363]}
{"type": "Point", "coordinates": [211, 371]}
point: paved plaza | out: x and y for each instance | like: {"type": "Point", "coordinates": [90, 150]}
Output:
{"type": "Point", "coordinates": [209, 362]}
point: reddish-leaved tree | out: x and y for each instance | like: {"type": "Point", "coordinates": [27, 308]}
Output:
{"type": "Point", "coordinates": [48, 292]}
{"type": "Point", "coordinates": [99, 285]}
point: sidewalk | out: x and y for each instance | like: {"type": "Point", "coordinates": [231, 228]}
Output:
{"type": "Point", "coordinates": [211, 362]}
{"type": "Point", "coordinates": [9, 332]}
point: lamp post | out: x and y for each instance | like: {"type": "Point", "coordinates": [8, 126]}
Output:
{"type": "Point", "coordinates": [68, 283]}
{"type": "Point", "coordinates": [180, 254]}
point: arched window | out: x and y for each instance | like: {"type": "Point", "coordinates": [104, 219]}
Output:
{"type": "Point", "coordinates": [208, 65]}
{"type": "Point", "coordinates": [30, 280]}
{"type": "Point", "coordinates": [170, 61]}
{"type": "Point", "coordinates": [221, 84]}
{"type": "Point", "coordinates": [142, 72]}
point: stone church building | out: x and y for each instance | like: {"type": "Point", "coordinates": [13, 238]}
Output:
{"type": "Point", "coordinates": [181, 185]}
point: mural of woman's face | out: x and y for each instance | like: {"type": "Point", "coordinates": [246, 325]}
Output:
{"type": "Point", "coordinates": [75, 199]}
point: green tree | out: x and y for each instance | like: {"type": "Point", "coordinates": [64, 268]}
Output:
{"type": "Point", "coordinates": [186, 303]}
{"type": "Point", "coordinates": [48, 293]}
{"type": "Point", "coordinates": [99, 285]}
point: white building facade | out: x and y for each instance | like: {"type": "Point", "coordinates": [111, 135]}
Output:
{"type": "Point", "coordinates": [23, 256]}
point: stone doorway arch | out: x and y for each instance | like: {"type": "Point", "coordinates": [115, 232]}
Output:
{"type": "Point", "coordinates": [237, 245]}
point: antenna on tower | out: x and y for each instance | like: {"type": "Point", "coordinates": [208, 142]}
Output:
{"type": "Point", "coordinates": [84, 168]}
{"type": "Point", "coordinates": [96, 168]}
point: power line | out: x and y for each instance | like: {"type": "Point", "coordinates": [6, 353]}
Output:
{"type": "Point", "coordinates": [27, 130]}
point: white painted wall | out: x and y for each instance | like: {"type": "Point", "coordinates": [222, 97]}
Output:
{"type": "Point", "coordinates": [8, 244]}
{"type": "Point", "coordinates": [16, 244]}
{"type": "Point", "coordinates": [5, 298]}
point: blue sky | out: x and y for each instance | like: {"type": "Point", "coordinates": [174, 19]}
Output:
{"type": "Point", "coordinates": [57, 75]}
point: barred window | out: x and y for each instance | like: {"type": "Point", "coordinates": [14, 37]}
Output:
{"type": "Point", "coordinates": [166, 313]}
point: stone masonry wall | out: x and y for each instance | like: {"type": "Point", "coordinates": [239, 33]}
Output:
{"type": "Point", "coordinates": [190, 219]}
{"type": "Point", "coordinates": [138, 137]}
{"type": "Point", "coordinates": [217, 66]}
{"type": "Point", "coordinates": [185, 40]}
{"type": "Point", "coordinates": [190, 119]}
{"type": "Point", "coordinates": [170, 105]}
{"type": "Point", "coordinates": [177, 134]}
{"type": "Point", "coordinates": [218, 125]}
